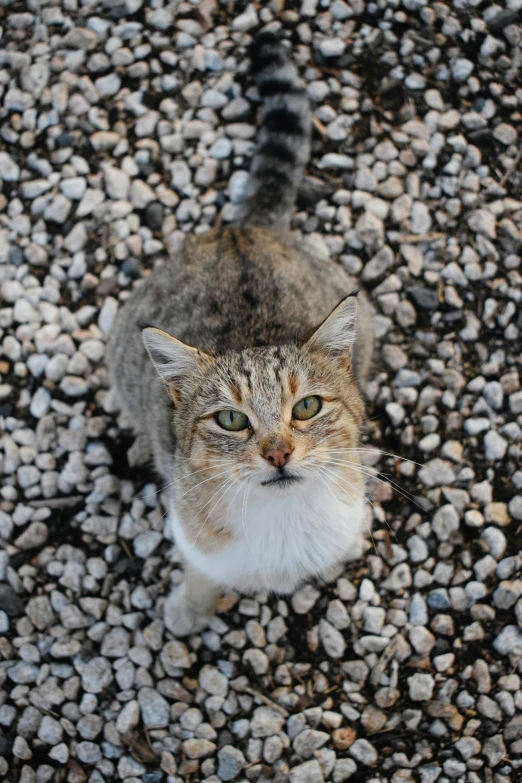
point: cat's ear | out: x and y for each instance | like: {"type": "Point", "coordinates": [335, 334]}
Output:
{"type": "Point", "coordinates": [175, 361]}
{"type": "Point", "coordinates": [336, 335]}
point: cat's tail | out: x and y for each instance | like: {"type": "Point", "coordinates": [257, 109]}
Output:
{"type": "Point", "coordinates": [283, 144]}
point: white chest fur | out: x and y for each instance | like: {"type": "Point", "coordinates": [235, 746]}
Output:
{"type": "Point", "coordinates": [279, 538]}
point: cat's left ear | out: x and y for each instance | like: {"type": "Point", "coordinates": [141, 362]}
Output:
{"type": "Point", "coordinates": [175, 361]}
{"type": "Point", "coordinates": [336, 335]}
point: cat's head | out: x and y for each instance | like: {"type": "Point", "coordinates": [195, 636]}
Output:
{"type": "Point", "coordinates": [273, 417]}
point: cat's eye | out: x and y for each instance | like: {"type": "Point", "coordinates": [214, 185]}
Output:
{"type": "Point", "coordinates": [306, 408]}
{"type": "Point", "coordinates": [234, 421]}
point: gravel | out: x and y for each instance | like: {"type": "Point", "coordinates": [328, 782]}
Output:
{"type": "Point", "coordinates": [125, 127]}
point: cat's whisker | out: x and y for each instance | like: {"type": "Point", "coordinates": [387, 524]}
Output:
{"type": "Point", "coordinates": [155, 524]}
{"type": "Point", "coordinates": [330, 473]}
{"type": "Point", "coordinates": [222, 483]}
{"type": "Point", "coordinates": [227, 484]}
{"type": "Point", "coordinates": [163, 515]}
{"type": "Point", "coordinates": [358, 492]}
{"type": "Point", "coordinates": [243, 519]}
{"type": "Point", "coordinates": [225, 487]}
{"type": "Point", "coordinates": [372, 418]}
{"type": "Point", "coordinates": [322, 440]}
{"type": "Point", "coordinates": [369, 501]}
{"type": "Point", "coordinates": [201, 470]}
{"type": "Point", "coordinates": [139, 495]}
{"type": "Point", "coordinates": [223, 473]}
{"type": "Point", "coordinates": [242, 484]}
{"type": "Point", "coordinates": [176, 500]}
{"type": "Point", "coordinates": [384, 480]}
{"type": "Point", "coordinates": [210, 463]}
{"type": "Point", "coordinates": [323, 481]}
{"type": "Point", "coordinates": [372, 450]}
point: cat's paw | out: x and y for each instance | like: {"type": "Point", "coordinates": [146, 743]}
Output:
{"type": "Point", "coordinates": [180, 619]}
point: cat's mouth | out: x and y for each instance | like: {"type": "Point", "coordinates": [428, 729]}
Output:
{"type": "Point", "coordinates": [281, 480]}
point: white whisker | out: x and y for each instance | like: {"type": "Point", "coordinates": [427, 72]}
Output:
{"type": "Point", "coordinates": [372, 450]}
{"type": "Point", "coordinates": [371, 504]}
{"type": "Point", "coordinates": [367, 472]}
{"type": "Point", "coordinates": [243, 519]}
{"type": "Point", "coordinates": [176, 500]}
{"type": "Point", "coordinates": [330, 473]}
{"type": "Point", "coordinates": [358, 492]}
{"type": "Point", "coordinates": [223, 473]}
{"type": "Point", "coordinates": [216, 463]}
{"type": "Point", "coordinates": [228, 483]}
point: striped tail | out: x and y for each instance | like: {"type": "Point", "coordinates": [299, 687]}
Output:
{"type": "Point", "coordinates": [283, 145]}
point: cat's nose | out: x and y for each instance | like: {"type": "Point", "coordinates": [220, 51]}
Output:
{"type": "Point", "coordinates": [278, 457]}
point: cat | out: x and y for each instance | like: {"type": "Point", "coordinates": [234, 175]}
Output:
{"type": "Point", "coordinates": [240, 363]}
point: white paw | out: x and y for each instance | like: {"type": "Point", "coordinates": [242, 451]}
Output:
{"type": "Point", "coordinates": [180, 618]}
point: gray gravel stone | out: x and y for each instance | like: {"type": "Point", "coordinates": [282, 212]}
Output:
{"type": "Point", "coordinates": [332, 640]}
{"type": "Point", "coordinates": [309, 741]}
{"type": "Point", "coordinates": [304, 600]}
{"type": "Point", "coordinates": [266, 721]}
{"type": "Point", "coordinates": [35, 535]}
{"type": "Point", "coordinates": [421, 687]}
{"type": "Point", "coordinates": [515, 507]}
{"type": "Point", "coordinates": [332, 47]}
{"type": "Point", "coordinates": [495, 446]}
{"type": "Point", "coordinates": [445, 522]}
{"type": "Point", "coordinates": [508, 639]}
{"type": "Point", "coordinates": [154, 708]}
{"type": "Point", "coordinates": [50, 732]}
{"type": "Point", "coordinates": [230, 762]}
{"type": "Point", "coordinates": [309, 772]}
{"type": "Point", "coordinates": [363, 752]}
{"type": "Point", "coordinates": [40, 612]}
{"type": "Point", "coordinates": [174, 656]}
{"type": "Point", "coordinates": [96, 675]}
{"type": "Point", "coordinates": [213, 681]}
{"type": "Point", "coordinates": [246, 20]}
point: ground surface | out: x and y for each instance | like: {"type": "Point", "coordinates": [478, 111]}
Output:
{"type": "Point", "coordinates": [120, 127]}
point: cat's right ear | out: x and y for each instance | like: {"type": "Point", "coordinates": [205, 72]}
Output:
{"type": "Point", "coordinates": [175, 361]}
{"type": "Point", "coordinates": [336, 335]}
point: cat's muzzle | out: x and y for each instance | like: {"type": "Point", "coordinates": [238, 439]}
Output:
{"type": "Point", "coordinates": [281, 479]}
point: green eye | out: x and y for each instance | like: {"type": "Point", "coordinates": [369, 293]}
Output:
{"type": "Point", "coordinates": [306, 408]}
{"type": "Point", "coordinates": [234, 421]}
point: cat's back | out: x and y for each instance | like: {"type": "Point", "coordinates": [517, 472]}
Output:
{"type": "Point", "coordinates": [228, 289]}
{"type": "Point", "coordinates": [242, 287]}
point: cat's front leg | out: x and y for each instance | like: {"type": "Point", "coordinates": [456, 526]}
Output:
{"type": "Point", "coordinates": [190, 605]}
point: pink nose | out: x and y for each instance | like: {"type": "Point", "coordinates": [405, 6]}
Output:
{"type": "Point", "coordinates": [278, 457]}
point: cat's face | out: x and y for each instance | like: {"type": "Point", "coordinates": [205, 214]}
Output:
{"type": "Point", "coordinates": [272, 417]}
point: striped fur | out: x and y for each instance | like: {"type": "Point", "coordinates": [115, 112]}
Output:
{"type": "Point", "coordinates": [283, 146]}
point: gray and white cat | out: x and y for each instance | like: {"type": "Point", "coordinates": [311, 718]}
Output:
{"type": "Point", "coordinates": [245, 384]}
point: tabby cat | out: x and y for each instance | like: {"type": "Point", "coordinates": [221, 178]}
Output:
{"type": "Point", "coordinates": [240, 364]}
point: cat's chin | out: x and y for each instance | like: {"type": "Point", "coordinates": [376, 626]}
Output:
{"type": "Point", "coordinates": [282, 482]}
